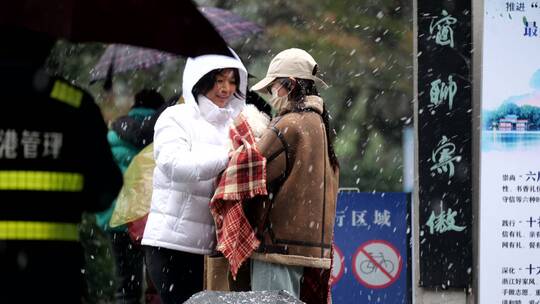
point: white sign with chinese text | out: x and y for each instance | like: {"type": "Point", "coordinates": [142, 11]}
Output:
{"type": "Point", "coordinates": [509, 235]}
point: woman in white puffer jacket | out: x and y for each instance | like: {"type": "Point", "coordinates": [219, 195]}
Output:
{"type": "Point", "coordinates": [190, 150]}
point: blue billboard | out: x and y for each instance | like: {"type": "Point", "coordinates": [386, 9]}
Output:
{"type": "Point", "coordinates": [372, 248]}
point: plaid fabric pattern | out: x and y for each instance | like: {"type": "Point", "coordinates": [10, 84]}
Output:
{"type": "Point", "coordinates": [244, 178]}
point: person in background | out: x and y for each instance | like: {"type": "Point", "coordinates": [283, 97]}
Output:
{"type": "Point", "coordinates": [190, 150]}
{"type": "Point", "coordinates": [127, 254]}
{"type": "Point", "coordinates": [295, 224]}
{"type": "Point", "coordinates": [140, 133]}
{"type": "Point", "coordinates": [55, 164]}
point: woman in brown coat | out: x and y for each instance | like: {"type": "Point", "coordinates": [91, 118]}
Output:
{"type": "Point", "coordinates": [295, 224]}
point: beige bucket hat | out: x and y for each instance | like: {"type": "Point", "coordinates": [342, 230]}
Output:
{"type": "Point", "coordinates": [292, 62]}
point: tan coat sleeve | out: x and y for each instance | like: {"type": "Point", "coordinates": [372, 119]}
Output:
{"type": "Point", "coordinates": [273, 150]}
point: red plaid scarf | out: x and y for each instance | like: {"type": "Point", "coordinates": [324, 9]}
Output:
{"type": "Point", "coordinates": [244, 178]}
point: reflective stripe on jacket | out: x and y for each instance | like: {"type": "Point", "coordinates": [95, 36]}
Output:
{"type": "Point", "coordinates": [55, 162]}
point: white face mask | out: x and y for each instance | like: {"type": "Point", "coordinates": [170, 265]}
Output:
{"type": "Point", "coordinates": [277, 102]}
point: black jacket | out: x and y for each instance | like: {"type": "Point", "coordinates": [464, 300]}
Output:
{"type": "Point", "coordinates": [55, 163]}
{"type": "Point", "coordinates": [48, 125]}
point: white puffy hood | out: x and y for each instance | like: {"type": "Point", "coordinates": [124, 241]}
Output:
{"type": "Point", "coordinates": [199, 66]}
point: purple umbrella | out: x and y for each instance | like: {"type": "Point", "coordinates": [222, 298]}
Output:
{"type": "Point", "coordinates": [119, 58]}
{"type": "Point", "coordinates": [231, 26]}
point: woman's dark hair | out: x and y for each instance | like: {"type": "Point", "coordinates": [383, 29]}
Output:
{"type": "Point", "coordinates": [207, 82]}
{"type": "Point", "coordinates": [303, 88]}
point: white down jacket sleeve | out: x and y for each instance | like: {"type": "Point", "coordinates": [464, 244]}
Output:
{"type": "Point", "coordinates": [182, 157]}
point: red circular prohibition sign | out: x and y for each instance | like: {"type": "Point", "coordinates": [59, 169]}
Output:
{"type": "Point", "coordinates": [339, 266]}
{"type": "Point", "coordinates": [377, 264]}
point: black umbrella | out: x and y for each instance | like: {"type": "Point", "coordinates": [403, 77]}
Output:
{"type": "Point", "coordinates": [173, 26]}
{"type": "Point", "coordinates": [259, 297]}
{"type": "Point", "coordinates": [231, 27]}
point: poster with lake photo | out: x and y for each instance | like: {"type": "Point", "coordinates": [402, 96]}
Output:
{"type": "Point", "coordinates": [509, 255]}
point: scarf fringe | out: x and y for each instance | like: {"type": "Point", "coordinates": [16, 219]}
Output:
{"type": "Point", "coordinates": [244, 195]}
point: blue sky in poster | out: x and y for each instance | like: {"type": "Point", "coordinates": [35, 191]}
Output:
{"type": "Point", "coordinates": [532, 98]}
{"type": "Point", "coordinates": [535, 80]}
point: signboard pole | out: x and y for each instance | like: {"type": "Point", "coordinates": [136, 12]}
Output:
{"type": "Point", "coordinates": [478, 30]}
